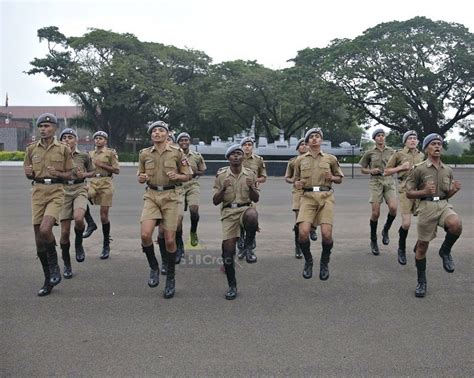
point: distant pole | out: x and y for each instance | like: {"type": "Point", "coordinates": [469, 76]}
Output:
{"type": "Point", "coordinates": [352, 160]}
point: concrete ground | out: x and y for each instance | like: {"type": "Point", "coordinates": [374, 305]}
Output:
{"type": "Point", "coordinates": [363, 321]}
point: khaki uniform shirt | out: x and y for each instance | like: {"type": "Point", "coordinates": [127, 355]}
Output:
{"type": "Point", "coordinates": [256, 164]}
{"type": "Point", "coordinates": [156, 165]}
{"type": "Point", "coordinates": [57, 155]}
{"type": "Point", "coordinates": [311, 169]}
{"type": "Point", "coordinates": [376, 158]}
{"type": "Point", "coordinates": [196, 162]}
{"type": "Point", "coordinates": [107, 156]}
{"type": "Point", "coordinates": [82, 161]}
{"type": "Point", "coordinates": [426, 172]}
{"type": "Point", "coordinates": [238, 191]}
{"type": "Point", "coordinates": [402, 156]}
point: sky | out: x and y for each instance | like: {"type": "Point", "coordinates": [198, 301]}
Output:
{"type": "Point", "coordinates": [268, 31]}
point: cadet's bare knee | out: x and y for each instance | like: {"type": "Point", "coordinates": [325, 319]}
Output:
{"type": "Point", "coordinates": [79, 222]}
{"type": "Point", "coordinates": [453, 224]}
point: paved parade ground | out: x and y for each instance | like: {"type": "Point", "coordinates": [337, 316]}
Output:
{"type": "Point", "coordinates": [363, 321]}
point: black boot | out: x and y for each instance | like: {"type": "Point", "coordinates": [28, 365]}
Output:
{"type": "Point", "coordinates": [420, 290]}
{"type": "Point", "coordinates": [179, 246]}
{"type": "Point", "coordinates": [47, 285]}
{"type": "Point", "coordinates": [240, 245]}
{"type": "Point", "coordinates": [80, 254]}
{"type": "Point", "coordinates": [67, 273]}
{"type": "Point", "coordinates": [154, 278]}
{"type": "Point", "coordinates": [402, 256]}
{"type": "Point", "coordinates": [298, 253]}
{"type": "Point", "coordinates": [228, 260]}
{"type": "Point", "coordinates": [374, 248]}
{"type": "Point", "coordinates": [445, 252]}
{"type": "Point", "coordinates": [249, 244]}
{"type": "Point", "coordinates": [313, 235]}
{"type": "Point", "coordinates": [308, 257]}
{"type": "Point", "coordinates": [91, 226]}
{"type": "Point", "coordinates": [170, 281]}
{"type": "Point", "coordinates": [386, 228]}
{"type": "Point", "coordinates": [106, 246]}
{"type": "Point", "coordinates": [53, 263]}
{"type": "Point", "coordinates": [324, 263]}
{"type": "Point", "coordinates": [164, 256]}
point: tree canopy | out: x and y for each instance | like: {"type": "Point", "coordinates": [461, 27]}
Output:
{"type": "Point", "coordinates": [415, 74]}
{"type": "Point", "coordinates": [403, 75]}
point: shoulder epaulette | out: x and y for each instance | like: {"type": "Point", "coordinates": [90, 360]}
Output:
{"type": "Point", "coordinates": [221, 170]}
{"type": "Point", "coordinates": [144, 149]}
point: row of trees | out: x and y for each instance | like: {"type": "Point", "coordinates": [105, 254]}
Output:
{"type": "Point", "coordinates": [415, 74]}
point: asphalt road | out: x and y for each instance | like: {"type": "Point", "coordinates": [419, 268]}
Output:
{"type": "Point", "coordinates": [363, 321]}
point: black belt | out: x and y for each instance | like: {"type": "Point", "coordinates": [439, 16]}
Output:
{"type": "Point", "coordinates": [47, 181]}
{"type": "Point", "coordinates": [76, 181]}
{"type": "Point", "coordinates": [432, 198]}
{"type": "Point", "coordinates": [317, 189]}
{"type": "Point", "coordinates": [100, 175]}
{"type": "Point", "coordinates": [377, 174]}
{"type": "Point", "coordinates": [236, 205]}
{"type": "Point", "coordinates": [161, 188]}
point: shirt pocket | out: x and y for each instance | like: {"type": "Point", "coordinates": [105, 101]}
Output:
{"type": "Point", "coordinates": [446, 184]}
{"type": "Point", "coordinates": [37, 163]}
{"type": "Point", "coordinates": [325, 167]}
{"type": "Point", "coordinates": [57, 161]}
{"type": "Point", "coordinates": [305, 170]}
{"type": "Point", "coordinates": [169, 166]}
{"type": "Point", "coordinates": [149, 167]}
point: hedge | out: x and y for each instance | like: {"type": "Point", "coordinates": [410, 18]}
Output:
{"type": "Point", "coordinates": [131, 157]}
{"type": "Point", "coordinates": [12, 155]}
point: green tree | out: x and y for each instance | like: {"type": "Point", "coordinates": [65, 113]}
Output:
{"type": "Point", "coordinates": [403, 75]}
{"type": "Point", "coordinates": [120, 82]}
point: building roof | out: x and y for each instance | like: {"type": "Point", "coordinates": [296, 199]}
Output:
{"type": "Point", "coordinates": [30, 112]}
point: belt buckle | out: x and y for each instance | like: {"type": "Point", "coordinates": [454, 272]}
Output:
{"type": "Point", "coordinates": [70, 182]}
{"type": "Point", "coordinates": [97, 175]}
{"type": "Point", "coordinates": [435, 199]}
{"type": "Point", "coordinates": [160, 188]}
{"type": "Point", "coordinates": [316, 188]}
{"type": "Point", "coordinates": [47, 181]}
{"type": "Point", "coordinates": [233, 205]}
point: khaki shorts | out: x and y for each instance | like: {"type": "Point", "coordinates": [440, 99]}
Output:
{"type": "Point", "coordinates": [181, 204]}
{"type": "Point", "coordinates": [407, 206]}
{"type": "Point", "coordinates": [192, 193]}
{"type": "Point", "coordinates": [430, 216]}
{"type": "Point", "coordinates": [232, 221]}
{"type": "Point", "coordinates": [161, 206]}
{"type": "Point", "coordinates": [296, 196]}
{"type": "Point", "coordinates": [382, 189]}
{"type": "Point", "coordinates": [101, 191]}
{"type": "Point", "coordinates": [75, 198]}
{"type": "Point", "coordinates": [316, 208]}
{"type": "Point", "coordinates": [46, 200]}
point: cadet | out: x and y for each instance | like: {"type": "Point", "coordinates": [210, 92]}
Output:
{"type": "Point", "coordinates": [315, 171]}
{"type": "Point", "coordinates": [47, 162]}
{"type": "Point", "coordinates": [296, 194]}
{"type": "Point", "coordinates": [373, 162]}
{"type": "Point", "coordinates": [75, 201]}
{"type": "Point", "coordinates": [162, 167]}
{"type": "Point", "coordinates": [235, 188]}
{"type": "Point", "coordinates": [101, 187]}
{"type": "Point", "coordinates": [432, 183]}
{"type": "Point", "coordinates": [257, 165]}
{"type": "Point", "coordinates": [400, 163]}
{"type": "Point", "coordinates": [191, 188]}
